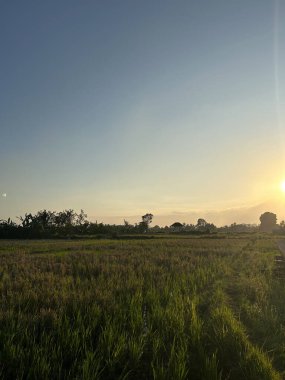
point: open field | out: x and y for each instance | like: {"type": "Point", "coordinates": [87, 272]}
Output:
{"type": "Point", "coordinates": [171, 308]}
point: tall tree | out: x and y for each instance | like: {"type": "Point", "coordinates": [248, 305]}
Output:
{"type": "Point", "coordinates": [268, 221]}
{"type": "Point", "coordinates": [144, 224]}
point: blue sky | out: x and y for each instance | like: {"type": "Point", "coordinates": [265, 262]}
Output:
{"type": "Point", "coordinates": [128, 107]}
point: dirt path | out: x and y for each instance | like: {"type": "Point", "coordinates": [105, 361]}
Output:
{"type": "Point", "coordinates": [279, 269]}
{"type": "Point", "coordinates": [281, 246]}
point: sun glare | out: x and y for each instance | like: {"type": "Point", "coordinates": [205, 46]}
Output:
{"type": "Point", "coordinates": [282, 186]}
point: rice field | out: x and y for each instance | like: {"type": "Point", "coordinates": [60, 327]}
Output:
{"type": "Point", "coordinates": [163, 308]}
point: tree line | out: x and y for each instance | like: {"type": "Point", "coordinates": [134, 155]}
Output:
{"type": "Point", "coordinates": [68, 223]}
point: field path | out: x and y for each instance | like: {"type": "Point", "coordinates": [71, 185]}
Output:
{"type": "Point", "coordinates": [279, 269]}
{"type": "Point", "coordinates": [281, 246]}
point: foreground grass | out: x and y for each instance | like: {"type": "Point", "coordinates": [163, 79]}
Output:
{"type": "Point", "coordinates": [141, 309]}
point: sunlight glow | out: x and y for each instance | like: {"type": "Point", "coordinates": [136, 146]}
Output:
{"type": "Point", "coordinates": [282, 186]}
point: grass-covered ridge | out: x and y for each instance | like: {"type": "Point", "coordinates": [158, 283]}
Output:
{"type": "Point", "coordinates": [141, 309]}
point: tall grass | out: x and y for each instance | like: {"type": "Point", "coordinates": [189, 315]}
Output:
{"type": "Point", "coordinates": [141, 309]}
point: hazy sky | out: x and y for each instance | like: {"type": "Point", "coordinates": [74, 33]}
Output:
{"type": "Point", "coordinates": [127, 107]}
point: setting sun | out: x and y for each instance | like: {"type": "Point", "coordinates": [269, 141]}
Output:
{"type": "Point", "coordinates": [282, 186]}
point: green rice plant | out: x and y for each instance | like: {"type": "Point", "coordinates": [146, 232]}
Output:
{"type": "Point", "coordinates": [159, 371]}
{"type": "Point", "coordinates": [92, 367]}
{"type": "Point", "coordinates": [135, 349]}
{"type": "Point", "coordinates": [178, 360]}
{"type": "Point", "coordinates": [141, 309]}
{"type": "Point", "coordinates": [257, 365]}
{"type": "Point", "coordinates": [210, 369]}
{"type": "Point", "coordinates": [113, 347]}
{"type": "Point", "coordinates": [240, 358]}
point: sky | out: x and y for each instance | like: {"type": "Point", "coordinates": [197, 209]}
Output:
{"type": "Point", "coordinates": [126, 107]}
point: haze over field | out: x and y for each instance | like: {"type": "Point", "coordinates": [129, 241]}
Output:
{"type": "Point", "coordinates": [123, 108]}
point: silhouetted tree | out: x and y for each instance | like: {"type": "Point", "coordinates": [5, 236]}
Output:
{"type": "Point", "coordinates": [7, 222]}
{"type": "Point", "coordinates": [177, 226]}
{"type": "Point", "coordinates": [268, 221]}
{"type": "Point", "coordinates": [81, 218]}
{"type": "Point", "coordinates": [8, 229]}
{"type": "Point", "coordinates": [156, 228]}
{"type": "Point", "coordinates": [44, 219]}
{"type": "Point", "coordinates": [48, 223]}
{"type": "Point", "coordinates": [239, 228]}
{"type": "Point", "coordinates": [26, 220]}
{"type": "Point", "coordinates": [201, 224]}
{"type": "Point", "coordinates": [65, 218]}
{"type": "Point", "coordinates": [127, 227]}
{"type": "Point", "coordinates": [189, 227]}
{"type": "Point", "coordinates": [144, 224]}
{"type": "Point", "coordinates": [147, 218]}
